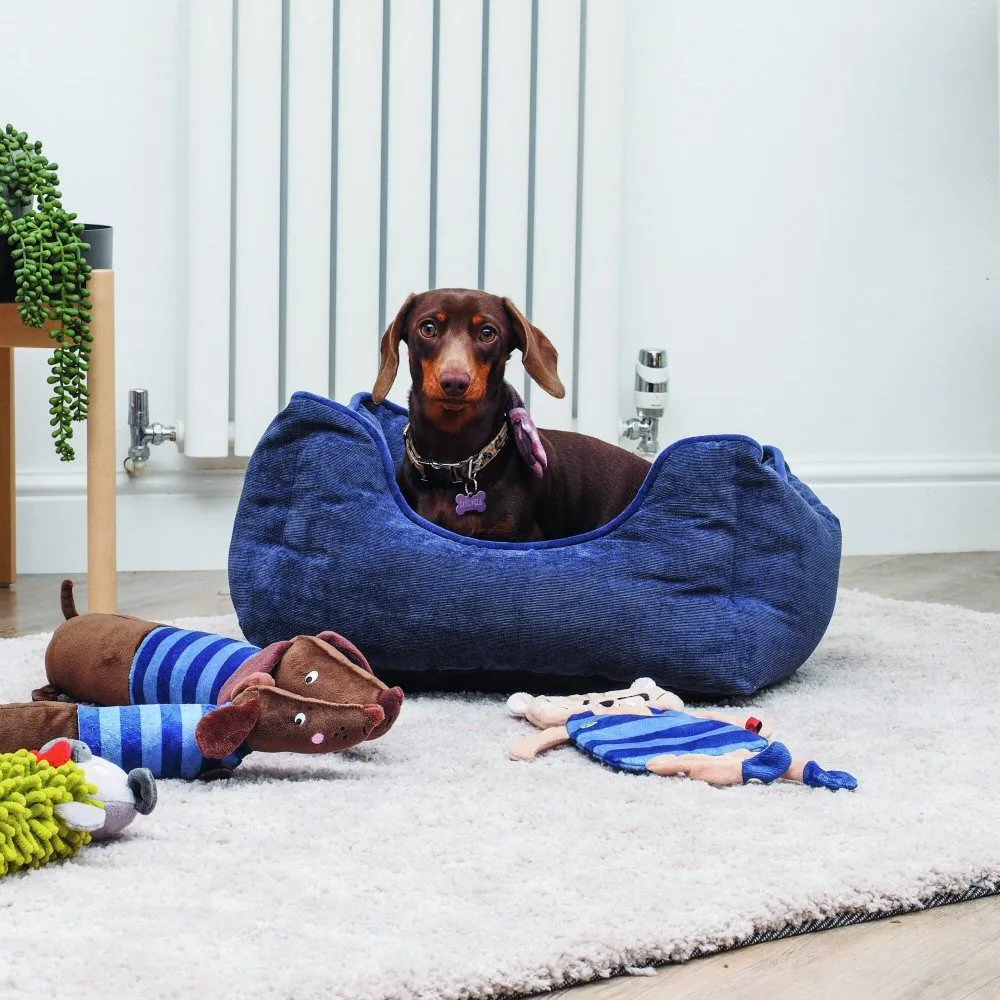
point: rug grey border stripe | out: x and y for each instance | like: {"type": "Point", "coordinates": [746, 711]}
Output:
{"type": "Point", "coordinates": [978, 890]}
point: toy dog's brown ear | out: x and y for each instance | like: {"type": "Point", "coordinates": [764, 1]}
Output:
{"type": "Point", "coordinates": [257, 671]}
{"type": "Point", "coordinates": [347, 648]}
{"type": "Point", "coordinates": [389, 349]}
{"type": "Point", "coordinates": [225, 730]}
{"type": "Point", "coordinates": [255, 680]}
{"type": "Point", "coordinates": [539, 355]}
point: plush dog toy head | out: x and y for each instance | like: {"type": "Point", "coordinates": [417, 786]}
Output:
{"type": "Point", "coordinates": [270, 719]}
{"type": "Point", "coordinates": [546, 712]}
{"type": "Point", "coordinates": [325, 678]}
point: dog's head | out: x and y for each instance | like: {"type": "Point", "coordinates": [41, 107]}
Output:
{"type": "Point", "coordinates": [325, 668]}
{"type": "Point", "coordinates": [459, 341]}
{"type": "Point", "coordinates": [272, 720]}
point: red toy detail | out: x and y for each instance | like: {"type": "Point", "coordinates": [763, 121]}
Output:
{"type": "Point", "coordinates": [57, 755]}
{"type": "Point", "coordinates": [754, 725]}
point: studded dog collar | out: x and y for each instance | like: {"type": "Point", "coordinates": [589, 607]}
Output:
{"type": "Point", "coordinates": [529, 446]}
{"type": "Point", "coordinates": [465, 471]}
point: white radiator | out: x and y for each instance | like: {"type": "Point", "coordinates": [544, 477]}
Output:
{"type": "Point", "coordinates": [343, 153]}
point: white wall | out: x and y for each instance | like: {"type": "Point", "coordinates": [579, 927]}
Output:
{"type": "Point", "coordinates": [108, 104]}
{"type": "Point", "coordinates": [812, 230]}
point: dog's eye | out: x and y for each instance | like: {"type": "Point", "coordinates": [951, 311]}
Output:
{"type": "Point", "coordinates": [312, 677]}
{"type": "Point", "coordinates": [428, 328]}
{"type": "Point", "coordinates": [487, 334]}
{"type": "Point", "coordinates": [300, 719]}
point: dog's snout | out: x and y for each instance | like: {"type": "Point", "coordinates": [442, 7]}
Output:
{"type": "Point", "coordinates": [455, 383]}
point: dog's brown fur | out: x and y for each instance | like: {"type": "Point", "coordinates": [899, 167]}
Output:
{"type": "Point", "coordinates": [459, 341]}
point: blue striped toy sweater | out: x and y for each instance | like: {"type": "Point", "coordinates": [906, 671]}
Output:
{"type": "Point", "coordinates": [175, 679]}
{"type": "Point", "coordinates": [175, 666]}
{"type": "Point", "coordinates": [160, 737]}
{"type": "Point", "coordinates": [629, 742]}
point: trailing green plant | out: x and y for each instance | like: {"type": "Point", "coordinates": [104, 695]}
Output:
{"type": "Point", "coordinates": [51, 274]}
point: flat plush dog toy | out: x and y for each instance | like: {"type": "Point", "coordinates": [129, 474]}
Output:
{"type": "Point", "coordinates": [645, 728]}
{"type": "Point", "coordinates": [215, 698]}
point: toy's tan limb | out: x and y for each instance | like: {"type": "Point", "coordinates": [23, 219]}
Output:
{"type": "Point", "coordinates": [734, 720]}
{"type": "Point", "coordinates": [726, 769]}
{"type": "Point", "coordinates": [794, 773]}
{"type": "Point", "coordinates": [531, 746]}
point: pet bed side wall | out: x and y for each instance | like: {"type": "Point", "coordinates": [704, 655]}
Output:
{"type": "Point", "coordinates": [322, 540]}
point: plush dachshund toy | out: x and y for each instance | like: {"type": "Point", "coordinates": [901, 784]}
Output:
{"type": "Point", "coordinates": [193, 741]}
{"type": "Point", "coordinates": [646, 728]}
{"type": "Point", "coordinates": [186, 703]}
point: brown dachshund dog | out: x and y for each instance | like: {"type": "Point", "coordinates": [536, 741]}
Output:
{"type": "Point", "coordinates": [463, 468]}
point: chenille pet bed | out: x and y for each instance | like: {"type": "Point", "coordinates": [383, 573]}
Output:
{"type": "Point", "coordinates": [720, 577]}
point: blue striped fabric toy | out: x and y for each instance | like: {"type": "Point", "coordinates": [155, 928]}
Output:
{"type": "Point", "coordinates": [646, 729]}
{"type": "Point", "coordinates": [181, 666]}
{"type": "Point", "coordinates": [160, 737]}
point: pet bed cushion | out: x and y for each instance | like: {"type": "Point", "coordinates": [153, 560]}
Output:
{"type": "Point", "coordinates": [718, 579]}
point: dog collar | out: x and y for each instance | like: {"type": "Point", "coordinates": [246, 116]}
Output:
{"type": "Point", "coordinates": [465, 471]}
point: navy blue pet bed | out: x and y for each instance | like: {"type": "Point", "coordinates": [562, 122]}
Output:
{"type": "Point", "coordinates": [718, 579]}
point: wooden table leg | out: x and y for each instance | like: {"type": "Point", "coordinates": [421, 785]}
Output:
{"type": "Point", "coordinates": [8, 507]}
{"type": "Point", "coordinates": [102, 463]}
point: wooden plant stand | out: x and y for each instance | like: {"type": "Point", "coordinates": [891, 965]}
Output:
{"type": "Point", "coordinates": [102, 464]}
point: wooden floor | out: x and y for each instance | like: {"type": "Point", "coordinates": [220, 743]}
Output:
{"type": "Point", "coordinates": [949, 953]}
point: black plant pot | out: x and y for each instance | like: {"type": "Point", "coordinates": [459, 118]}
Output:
{"type": "Point", "coordinates": [99, 255]}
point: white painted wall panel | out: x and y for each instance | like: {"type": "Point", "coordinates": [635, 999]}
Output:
{"type": "Point", "coordinates": [256, 315]}
{"type": "Point", "coordinates": [137, 63]}
{"type": "Point", "coordinates": [308, 235]}
{"type": "Point", "coordinates": [209, 193]}
{"type": "Point", "coordinates": [407, 248]}
{"type": "Point", "coordinates": [508, 114]}
{"type": "Point", "coordinates": [812, 225]}
{"type": "Point", "coordinates": [600, 353]}
{"type": "Point", "coordinates": [358, 197]}
{"type": "Point", "coordinates": [459, 119]}
{"type": "Point", "coordinates": [554, 270]}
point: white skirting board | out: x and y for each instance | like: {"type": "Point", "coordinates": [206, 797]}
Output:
{"type": "Point", "coordinates": [166, 521]}
{"type": "Point", "coordinates": [177, 521]}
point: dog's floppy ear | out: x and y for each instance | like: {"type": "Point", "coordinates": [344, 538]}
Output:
{"type": "Point", "coordinates": [257, 680]}
{"type": "Point", "coordinates": [225, 730]}
{"type": "Point", "coordinates": [257, 671]}
{"type": "Point", "coordinates": [347, 648]}
{"type": "Point", "coordinates": [540, 357]}
{"type": "Point", "coordinates": [390, 351]}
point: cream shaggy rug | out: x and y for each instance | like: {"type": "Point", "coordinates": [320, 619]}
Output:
{"type": "Point", "coordinates": [429, 866]}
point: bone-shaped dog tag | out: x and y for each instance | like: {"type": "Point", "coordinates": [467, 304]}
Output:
{"type": "Point", "coordinates": [477, 501]}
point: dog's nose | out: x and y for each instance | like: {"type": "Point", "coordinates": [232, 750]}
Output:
{"type": "Point", "coordinates": [455, 383]}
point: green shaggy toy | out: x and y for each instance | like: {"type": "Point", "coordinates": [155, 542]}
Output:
{"type": "Point", "coordinates": [32, 789]}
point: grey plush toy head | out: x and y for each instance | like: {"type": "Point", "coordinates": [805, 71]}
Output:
{"type": "Point", "coordinates": [124, 796]}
